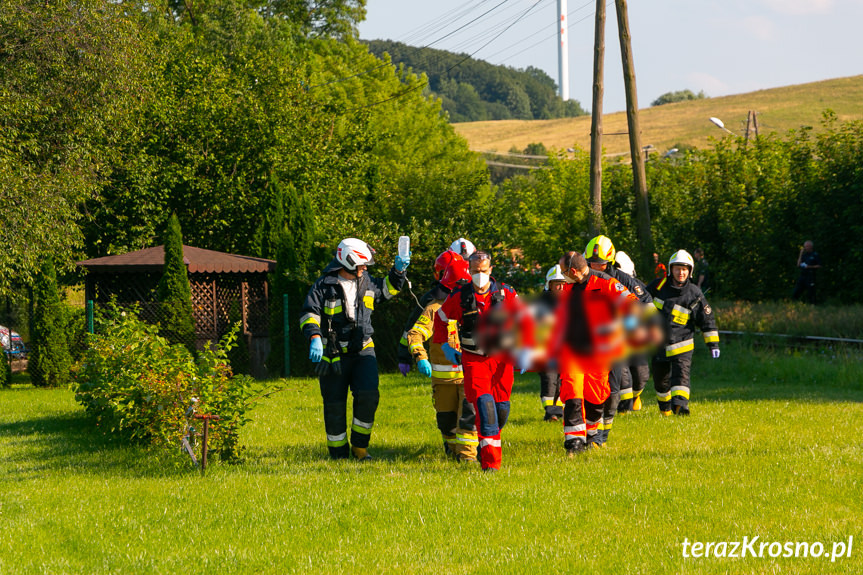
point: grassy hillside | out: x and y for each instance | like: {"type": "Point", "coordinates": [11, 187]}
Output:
{"type": "Point", "coordinates": [779, 109]}
{"type": "Point", "coordinates": [772, 450]}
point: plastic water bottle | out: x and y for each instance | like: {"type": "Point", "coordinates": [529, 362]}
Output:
{"type": "Point", "coordinates": [404, 246]}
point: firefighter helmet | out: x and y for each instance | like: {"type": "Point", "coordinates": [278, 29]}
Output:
{"type": "Point", "coordinates": [554, 275]}
{"type": "Point", "coordinates": [624, 262]}
{"type": "Point", "coordinates": [456, 274]}
{"type": "Point", "coordinates": [463, 247]}
{"type": "Point", "coordinates": [599, 250]}
{"type": "Point", "coordinates": [681, 257]}
{"type": "Point", "coordinates": [353, 252]}
{"type": "Point", "coordinates": [443, 261]}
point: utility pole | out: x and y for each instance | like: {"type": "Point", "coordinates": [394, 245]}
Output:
{"type": "Point", "coordinates": [748, 127]}
{"type": "Point", "coordinates": [596, 122]}
{"type": "Point", "coordinates": [639, 177]}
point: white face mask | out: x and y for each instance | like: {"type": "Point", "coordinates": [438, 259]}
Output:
{"type": "Point", "coordinates": [480, 279]}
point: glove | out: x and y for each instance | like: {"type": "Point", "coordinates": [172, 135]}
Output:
{"type": "Point", "coordinates": [803, 265]}
{"type": "Point", "coordinates": [316, 349]}
{"type": "Point", "coordinates": [714, 353]}
{"type": "Point", "coordinates": [405, 368]}
{"type": "Point", "coordinates": [424, 367]}
{"type": "Point", "coordinates": [402, 263]}
{"type": "Point", "coordinates": [451, 354]}
{"type": "Point", "coordinates": [630, 322]}
{"type": "Point", "coordinates": [523, 360]}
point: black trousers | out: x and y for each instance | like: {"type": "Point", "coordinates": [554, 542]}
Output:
{"type": "Point", "coordinates": [609, 408]}
{"type": "Point", "coordinates": [671, 380]}
{"type": "Point", "coordinates": [633, 380]}
{"type": "Point", "coordinates": [549, 393]}
{"type": "Point", "coordinates": [805, 285]}
{"type": "Point", "coordinates": [360, 376]}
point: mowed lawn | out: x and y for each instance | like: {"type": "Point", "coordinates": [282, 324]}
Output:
{"type": "Point", "coordinates": [772, 449]}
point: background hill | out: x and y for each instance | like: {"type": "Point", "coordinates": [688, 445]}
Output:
{"type": "Point", "coordinates": [779, 109]}
{"type": "Point", "coordinates": [474, 90]}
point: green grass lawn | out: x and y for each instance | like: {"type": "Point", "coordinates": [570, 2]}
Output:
{"type": "Point", "coordinates": [772, 449]}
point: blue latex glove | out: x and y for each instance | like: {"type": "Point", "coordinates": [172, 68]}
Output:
{"type": "Point", "coordinates": [424, 367]}
{"type": "Point", "coordinates": [404, 368]}
{"type": "Point", "coordinates": [316, 350]}
{"type": "Point", "coordinates": [630, 322]}
{"type": "Point", "coordinates": [451, 354]}
{"type": "Point", "coordinates": [715, 353]}
{"type": "Point", "coordinates": [402, 263]}
{"type": "Point", "coordinates": [523, 360]}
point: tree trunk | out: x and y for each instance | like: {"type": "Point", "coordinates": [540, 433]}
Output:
{"type": "Point", "coordinates": [639, 177]}
{"type": "Point", "coordinates": [596, 122]}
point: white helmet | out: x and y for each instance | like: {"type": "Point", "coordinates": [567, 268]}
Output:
{"type": "Point", "coordinates": [353, 252]}
{"type": "Point", "coordinates": [463, 247]}
{"type": "Point", "coordinates": [554, 275]}
{"type": "Point", "coordinates": [624, 262]}
{"type": "Point", "coordinates": [681, 257]}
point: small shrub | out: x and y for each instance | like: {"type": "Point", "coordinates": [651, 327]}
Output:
{"type": "Point", "coordinates": [139, 385]}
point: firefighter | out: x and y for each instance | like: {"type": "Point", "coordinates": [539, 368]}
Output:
{"type": "Point", "coordinates": [637, 371]}
{"type": "Point", "coordinates": [600, 255]}
{"type": "Point", "coordinates": [436, 292]}
{"type": "Point", "coordinates": [336, 318]}
{"type": "Point", "coordinates": [659, 271]}
{"type": "Point", "coordinates": [486, 313]}
{"type": "Point", "coordinates": [463, 247]}
{"type": "Point", "coordinates": [456, 418]}
{"type": "Point", "coordinates": [682, 308]}
{"type": "Point", "coordinates": [549, 379]}
{"type": "Point", "coordinates": [594, 321]}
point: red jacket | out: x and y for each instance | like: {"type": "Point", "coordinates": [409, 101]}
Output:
{"type": "Point", "coordinates": [452, 311]}
{"type": "Point", "coordinates": [590, 320]}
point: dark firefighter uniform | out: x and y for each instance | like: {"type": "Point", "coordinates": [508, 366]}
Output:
{"type": "Point", "coordinates": [636, 371]}
{"type": "Point", "coordinates": [549, 380]}
{"type": "Point", "coordinates": [488, 367]}
{"type": "Point", "coordinates": [682, 309]}
{"type": "Point", "coordinates": [619, 371]}
{"type": "Point", "coordinates": [349, 361]}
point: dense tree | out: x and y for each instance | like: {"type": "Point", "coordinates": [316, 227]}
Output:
{"type": "Point", "coordinates": [678, 96]}
{"type": "Point", "coordinates": [176, 316]}
{"type": "Point", "coordinates": [50, 361]}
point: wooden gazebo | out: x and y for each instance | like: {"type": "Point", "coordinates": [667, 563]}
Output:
{"type": "Point", "coordinates": [226, 288]}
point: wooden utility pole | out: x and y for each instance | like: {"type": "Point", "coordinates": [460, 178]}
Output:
{"type": "Point", "coordinates": [748, 127]}
{"type": "Point", "coordinates": [755, 122]}
{"type": "Point", "coordinates": [639, 177]}
{"type": "Point", "coordinates": [596, 122]}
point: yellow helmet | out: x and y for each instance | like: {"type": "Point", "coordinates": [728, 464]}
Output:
{"type": "Point", "coordinates": [600, 249]}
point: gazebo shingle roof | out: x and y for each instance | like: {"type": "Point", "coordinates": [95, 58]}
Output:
{"type": "Point", "coordinates": [197, 260]}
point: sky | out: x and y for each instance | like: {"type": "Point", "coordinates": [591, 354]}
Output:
{"type": "Point", "coordinates": [719, 46]}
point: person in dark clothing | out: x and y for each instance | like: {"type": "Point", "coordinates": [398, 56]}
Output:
{"type": "Point", "coordinates": [808, 262]}
{"type": "Point", "coordinates": [701, 276]}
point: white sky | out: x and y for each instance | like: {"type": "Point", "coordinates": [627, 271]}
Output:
{"type": "Point", "coordinates": [719, 46]}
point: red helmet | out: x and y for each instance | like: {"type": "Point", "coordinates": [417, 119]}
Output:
{"type": "Point", "coordinates": [443, 261]}
{"type": "Point", "coordinates": [457, 273]}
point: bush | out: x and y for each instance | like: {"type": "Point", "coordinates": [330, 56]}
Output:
{"type": "Point", "coordinates": [139, 385]}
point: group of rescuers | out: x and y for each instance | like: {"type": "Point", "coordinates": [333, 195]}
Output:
{"type": "Point", "coordinates": [593, 335]}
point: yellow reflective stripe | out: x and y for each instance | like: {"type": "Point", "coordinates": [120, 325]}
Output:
{"type": "Point", "coordinates": [447, 374]}
{"type": "Point", "coordinates": [414, 347]}
{"type": "Point", "coordinates": [680, 315]}
{"type": "Point", "coordinates": [331, 359]}
{"type": "Point", "coordinates": [663, 396]}
{"type": "Point", "coordinates": [368, 344]}
{"type": "Point", "coordinates": [678, 348]}
{"type": "Point", "coordinates": [711, 336]}
{"type": "Point", "coordinates": [662, 283]}
{"type": "Point", "coordinates": [467, 438]}
{"type": "Point", "coordinates": [333, 310]}
{"type": "Point", "coordinates": [392, 291]}
{"type": "Point", "coordinates": [310, 318]}
{"type": "Point", "coordinates": [404, 341]}
{"type": "Point", "coordinates": [360, 429]}
{"type": "Point", "coordinates": [337, 440]}
{"type": "Point", "coordinates": [649, 309]}
{"type": "Point", "coordinates": [658, 303]}
{"type": "Point", "coordinates": [423, 330]}
{"type": "Point", "coordinates": [628, 395]}
{"type": "Point", "coordinates": [680, 391]}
